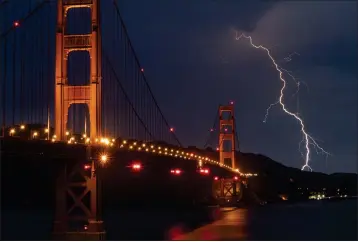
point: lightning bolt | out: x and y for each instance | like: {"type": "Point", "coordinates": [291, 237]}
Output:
{"type": "Point", "coordinates": [307, 139]}
{"type": "Point", "coordinates": [289, 57]}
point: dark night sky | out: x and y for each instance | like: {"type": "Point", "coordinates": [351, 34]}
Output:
{"type": "Point", "coordinates": [193, 63]}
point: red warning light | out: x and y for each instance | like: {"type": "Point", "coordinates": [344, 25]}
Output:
{"type": "Point", "coordinates": [136, 166]}
{"type": "Point", "coordinates": [16, 24]}
{"type": "Point", "coordinates": [236, 178]}
{"type": "Point", "coordinates": [211, 130]}
{"type": "Point", "coordinates": [216, 178]}
{"type": "Point", "coordinates": [87, 167]}
{"type": "Point", "coordinates": [142, 70]}
{"type": "Point", "coordinates": [175, 171]}
{"type": "Point", "coordinates": [217, 148]}
{"type": "Point", "coordinates": [231, 102]}
{"type": "Point", "coordinates": [204, 171]}
{"type": "Point", "coordinates": [171, 129]}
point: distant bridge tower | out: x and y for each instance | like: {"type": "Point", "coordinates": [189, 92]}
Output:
{"type": "Point", "coordinates": [227, 133]}
{"type": "Point", "coordinates": [90, 94]}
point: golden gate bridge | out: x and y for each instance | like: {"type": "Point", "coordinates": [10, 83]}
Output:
{"type": "Point", "coordinates": [70, 78]}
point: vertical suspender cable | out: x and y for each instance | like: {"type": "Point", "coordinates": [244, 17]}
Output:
{"type": "Point", "coordinates": [4, 91]}
{"type": "Point", "coordinates": [14, 78]}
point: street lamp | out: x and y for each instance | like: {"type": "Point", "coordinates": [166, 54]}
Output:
{"type": "Point", "coordinates": [103, 159]}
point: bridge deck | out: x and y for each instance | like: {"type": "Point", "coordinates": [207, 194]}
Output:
{"type": "Point", "coordinates": [232, 226]}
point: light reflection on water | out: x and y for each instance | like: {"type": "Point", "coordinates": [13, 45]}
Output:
{"type": "Point", "coordinates": [316, 220]}
{"type": "Point", "coordinates": [232, 226]}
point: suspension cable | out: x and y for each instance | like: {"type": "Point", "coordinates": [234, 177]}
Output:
{"type": "Point", "coordinates": [138, 64]}
{"type": "Point", "coordinates": [126, 95]}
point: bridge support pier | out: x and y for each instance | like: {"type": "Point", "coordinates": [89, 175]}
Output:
{"type": "Point", "coordinates": [227, 191]}
{"type": "Point", "coordinates": [78, 205]}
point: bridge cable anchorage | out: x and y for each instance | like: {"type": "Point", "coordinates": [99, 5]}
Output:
{"type": "Point", "coordinates": [308, 139]}
{"type": "Point", "coordinates": [144, 78]}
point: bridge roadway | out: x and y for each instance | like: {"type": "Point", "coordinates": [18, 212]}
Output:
{"type": "Point", "coordinates": [31, 167]}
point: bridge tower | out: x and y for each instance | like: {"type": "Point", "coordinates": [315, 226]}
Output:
{"type": "Point", "coordinates": [65, 94]}
{"type": "Point", "coordinates": [227, 133]}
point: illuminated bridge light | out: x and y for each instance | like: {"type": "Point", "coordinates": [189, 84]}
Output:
{"type": "Point", "coordinates": [152, 146]}
{"type": "Point", "coordinates": [160, 152]}
{"type": "Point", "coordinates": [67, 133]}
{"type": "Point", "coordinates": [139, 148]}
{"type": "Point", "coordinates": [130, 147]}
{"type": "Point", "coordinates": [171, 150]}
{"type": "Point", "coordinates": [124, 141]}
{"type": "Point", "coordinates": [146, 149]}
{"type": "Point", "coordinates": [22, 127]}
{"type": "Point", "coordinates": [135, 143]}
{"type": "Point", "coordinates": [12, 131]}
{"type": "Point", "coordinates": [176, 171]}
{"type": "Point", "coordinates": [153, 151]}
{"type": "Point", "coordinates": [136, 166]}
{"type": "Point", "coordinates": [143, 145]}
{"type": "Point", "coordinates": [204, 171]}
{"type": "Point", "coordinates": [177, 151]}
